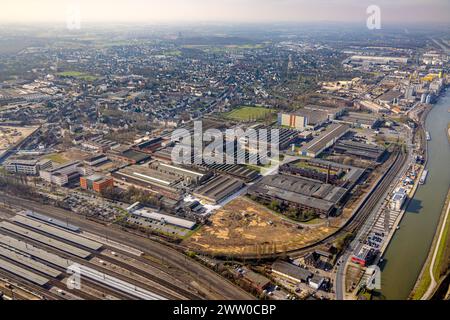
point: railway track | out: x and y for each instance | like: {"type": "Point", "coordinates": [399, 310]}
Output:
{"type": "Point", "coordinates": [185, 270]}
{"type": "Point", "coordinates": [58, 283]}
{"type": "Point", "coordinates": [35, 289]}
{"type": "Point", "coordinates": [365, 209]}
{"type": "Point", "coordinates": [185, 293]}
{"type": "Point", "coordinates": [174, 291]}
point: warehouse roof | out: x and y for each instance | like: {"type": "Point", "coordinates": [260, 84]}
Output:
{"type": "Point", "coordinates": [57, 232]}
{"type": "Point", "coordinates": [26, 261]}
{"type": "Point", "coordinates": [291, 271]}
{"type": "Point", "coordinates": [219, 188]}
{"type": "Point", "coordinates": [35, 252]}
{"type": "Point", "coordinates": [390, 96]}
{"type": "Point", "coordinates": [334, 131]}
{"type": "Point", "coordinates": [314, 116]}
{"type": "Point", "coordinates": [150, 176]}
{"type": "Point", "coordinates": [135, 155]}
{"type": "Point", "coordinates": [177, 221]}
{"type": "Point", "coordinates": [23, 273]}
{"type": "Point", "coordinates": [56, 222]}
{"type": "Point", "coordinates": [44, 239]}
{"type": "Point", "coordinates": [301, 199]}
{"type": "Point", "coordinates": [304, 186]}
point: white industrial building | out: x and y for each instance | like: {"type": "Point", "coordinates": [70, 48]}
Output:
{"type": "Point", "coordinates": [63, 174]}
{"type": "Point", "coordinates": [30, 167]}
{"type": "Point", "coordinates": [398, 199]}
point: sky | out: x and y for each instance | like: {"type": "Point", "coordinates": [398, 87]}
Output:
{"type": "Point", "coordinates": [156, 11]}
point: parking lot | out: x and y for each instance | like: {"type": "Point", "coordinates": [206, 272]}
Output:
{"type": "Point", "coordinates": [91, 206]}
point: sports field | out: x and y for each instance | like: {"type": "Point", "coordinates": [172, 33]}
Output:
{"type": "Point", "coordinates": [78, 75]}
{"type": "Point", "coordinates": [247, 113]}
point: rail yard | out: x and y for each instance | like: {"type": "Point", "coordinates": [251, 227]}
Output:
{"type": "Point", "coordinates": [48, 260]}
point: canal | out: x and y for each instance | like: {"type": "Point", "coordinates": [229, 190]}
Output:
{"type": "Point", "coordinates": [409, 247]}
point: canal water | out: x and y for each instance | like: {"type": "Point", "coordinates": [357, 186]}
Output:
{"type": "Point", "coordinates": [409, 247]}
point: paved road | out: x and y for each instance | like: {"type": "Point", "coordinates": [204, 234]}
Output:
{"type": "Point", "coordinates": [218, 287]}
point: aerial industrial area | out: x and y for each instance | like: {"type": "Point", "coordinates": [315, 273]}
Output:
{"type": "Point", "coordinates": [93, 205]}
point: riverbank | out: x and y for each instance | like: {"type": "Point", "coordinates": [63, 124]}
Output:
{"type": "Point", "coordinates": [425, 284]}
{"type": "Point", "coordinates": [448, 131]}
{"type": "Point", "coordinates": [408, 250]}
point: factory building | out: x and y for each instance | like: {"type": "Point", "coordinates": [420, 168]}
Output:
{"type": "Point", "coordinates": [63, 174]}
{"type": "Point", "coordinates": [390, 98]}
{"type": "Point", "coordinates": [190, 176]}
{"type": "Point", "coordinates": [325, 140]}
{"type": "Point", "coordinates": [96, 182]}
{"type": "Point", "coordinates": [324, 171]}
{"type": "Point", "coordinates": [99, 144]}
{"type": "Point", "coordinates": [360, 150]}
{"type": "Point", "coordinates": [298, 192]}
{"type": "Point", "coordinates": [163, 155]}
{"type": "Point", "coordinates": [398, 200]}
{"type": "Point", "coordinates": [126, 154]}
{"type": "Point", "coordinates": [364, 255]}
{"type": "Point", "coordinates": [360, 120]}
{"type": "Point", "coordinates": [218, 189]}
{"type": "Point", "coordinates": [291, 272]}
{"type": "Point", "coordinates": [96, 160]}
{"type": "Point", "coordinates": [153, 180]}
{"type": "Point", "coordinates": [378, 59]}
{"type": "Point", "coordinates": [285, 138]}
{"type": "Point", "coordinates": [149, 146]}
{"type": "Point", "coordinates": [27, 166]}
{"type": "Point", "coordinates": [332, 113]}
{"type": "Point", "coordinates": [303, 119]}
{"type": "Point", "coordinates": [147, 213]}
{"type": "Point", "coordinates": [372, 106]}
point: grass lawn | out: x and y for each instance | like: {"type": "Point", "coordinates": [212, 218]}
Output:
{"type": "Point", "coordinates": [78, 75]}
{"type": "Point", "coordinates": [173, 53]}
{"type": "Point", "coordinates": [423, 285]}
{"type": "Point", "coordinates": [441, 249]}
{"type": "Point", "coordinates": [248, 113]}
{"type": "Point", "coordinates": [57, 158]}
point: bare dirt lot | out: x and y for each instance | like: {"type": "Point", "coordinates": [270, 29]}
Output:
{"type": "Point", "coordinates": [69, 155]}
{"type": "Point", "coordinates": [244, 227]}
{"type": "Point", "coordinates": [10, 136]}
{"type": "Point", "coordinates": [354, 275]}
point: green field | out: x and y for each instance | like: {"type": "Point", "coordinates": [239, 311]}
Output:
{"type": "Point", "coordinates": [225, 48]}
{"type": "Point", "coordinates": [248, 113]}
{"type": "Point", "coordinates": [172, 53]}
{"type": "Point", "coordinates": [57, 158]}
{"type": "Point", "coordinates": [78, 75]}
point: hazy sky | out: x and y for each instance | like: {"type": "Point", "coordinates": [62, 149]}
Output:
{"type": "Point", "coordinates": [153, 11]}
